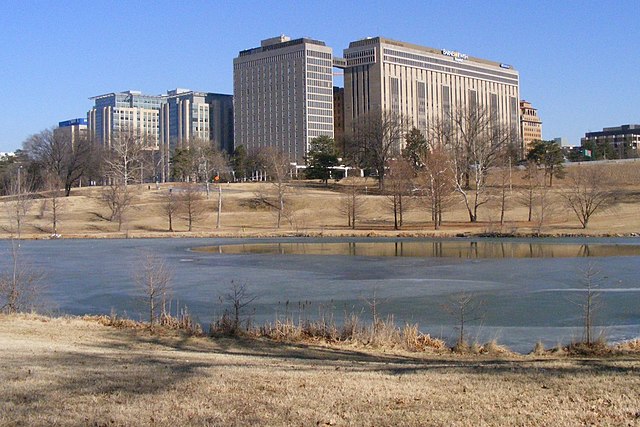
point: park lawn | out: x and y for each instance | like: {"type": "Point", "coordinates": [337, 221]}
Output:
{"type": "Point", "coordinates": [70, 371]}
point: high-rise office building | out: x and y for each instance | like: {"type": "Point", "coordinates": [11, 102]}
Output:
{"type": "Point", "coordinates": [166, 121]}
{"type": "Point", "coordinates": [186, 115]}
{"type": "Point", "coordinates": [129, 111]}
{"type": "Point", "coordinates": [424, 84]}
{"type": "Point", "coordinates": [283, 95]}
{"type": "Point", "coordinates": [530, 124]}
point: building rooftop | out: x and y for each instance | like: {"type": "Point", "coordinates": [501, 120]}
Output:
{"type": "Point", "coordinates": [279, 43]}
{"type": "Point", "coordinates": [623, 129]}
{"type": "Point", "coordinates": [375, 40]}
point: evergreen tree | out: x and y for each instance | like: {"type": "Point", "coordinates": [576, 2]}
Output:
{"type": "Point", "coordinates": [549, 155]}
{"type": "Point", "coordinates": [321, 157]}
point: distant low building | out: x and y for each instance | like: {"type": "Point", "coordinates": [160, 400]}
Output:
{"type": "Point", "coordinates": [75, 129]}
{"type": "Point", "coordinates": [620, 142]}
{"type": "Point", "coordinates": [562, 141]}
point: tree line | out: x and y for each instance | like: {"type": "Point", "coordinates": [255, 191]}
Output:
{"type": "Point", "coordinates": [468, 158]}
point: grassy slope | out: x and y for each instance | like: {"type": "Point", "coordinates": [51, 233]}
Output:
{"type": "Point", "coordinates": [316, 211]}
{"type": "Point", "coordinates": [75, 372]}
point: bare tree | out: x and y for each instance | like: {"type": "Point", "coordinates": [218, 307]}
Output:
{"type": "Point", "coordinates": [199, 161]}
{"type": "Point", "coordinates": [374, 306]}
{"type": "Point", "coordinates": [278, 169]}
{"type": "Point", "coordinates": [20, 284]}
{"type": "Point", "coordinates": [502, 175]}
{"type": "Point", "coordinates": [239, 297]}
{"type": "Point", "coordinates": [60, 154]}
{"type": "Point", "coordinates": [533, 180]}
{"type": "Point", "coordinates": [398, 188]}
{"type": "Point", "coordinates": [435, 178]}
{"type": "Point", "coordinates": [588, 192]}
{"type": "Point", "coordinates": [545, 206]}
{"type": "Point", "coordinates": [477, 140]}
{"type": "Point", "coordinates": [170, 206]}
{"type": "Point", "coordinates": [191, 201]}
{"type": "Point", "coordinates": [20, 190]}
{"type": "Point", "coordinates": [153, 278]}
{"type": "Point", "coordinates": [124, 156]}
{"type": "Point", "coordinates": [464, 306]}
{"type": "Point", "coordinates": [117, 197]}
{"type": "Point", "coordinates": [352, 203]}
{"type": "Point", "coordinates": [54, 200]}
{"type": "Point", "coordinates": [377, 138]}
{"type": "Point", "coordinates": [591, 280]}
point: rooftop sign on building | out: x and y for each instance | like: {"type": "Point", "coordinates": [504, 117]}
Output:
{"type": "Point", "coordinates": [457, 56]}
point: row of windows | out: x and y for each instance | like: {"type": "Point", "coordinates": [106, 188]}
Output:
{"type": "Point", "coordinates": [321, 62]}
{"type": "Point", "coordinates": [359, 61]}
{"type": "Point", "coordinates": [319, 69]}
{"type": "Point", "coordinates": [320, 126]}
{"type": "Point", "coordinates": [317, 54]}
{"type": "Point", "coordinates": [315, 104]}
{"type": "Point", "coordinates": [360, 54]}
{"type": "Point", "coordinates": [270, 59]}
{"type": "Point", "coordinates": [428, 59]}
{"type": "Point", "coordinates": [410, 63]}
{"type": "Point", "coordinates": [316, 133]}
{"type": "Point", "coordinates": [319, 83]}
{"type": "Point", "coordinates": [320, 76]}
{"type": "Point", "coordinates": [321, 90]}
{"type": "Point", "coordinates": [326, 98]}
{"type": "Point", "coordinates": [321, 119]}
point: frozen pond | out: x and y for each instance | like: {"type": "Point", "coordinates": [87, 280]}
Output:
{"type": "Point", "coordinates": [529, 289]}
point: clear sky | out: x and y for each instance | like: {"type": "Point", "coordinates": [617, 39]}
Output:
{"type": "Point", "coordinates": [579, 61]}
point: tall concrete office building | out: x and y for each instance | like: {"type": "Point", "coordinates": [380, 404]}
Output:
{"type": "Point", "coordinates": [283, 95]}
{"type": "Point", "coordinates": [425, 84]}
{"type": "Point", "coordinates": [124, 111]}
{"type": "Point", "coordinates": [186, 115]}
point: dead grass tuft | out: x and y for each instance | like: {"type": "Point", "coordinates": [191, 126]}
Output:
{"type": "Point", "coordinates": [632, 346]}
{"type": "Point", "coordinates": [598, 348]}
{"type": "Point", "coordinates": [538, 349]}
{"type": "Point", "coordinates": [494, 349]}
{"type": "Point", "coordinates": [384, 334]}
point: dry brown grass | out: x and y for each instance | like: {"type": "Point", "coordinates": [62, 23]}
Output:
{"type": "Point", "coordinates": [316, 213]}
{"type": "Point", "coordinates": [75, 372]}
{"type": "Point", "coordinates": [384, 335]}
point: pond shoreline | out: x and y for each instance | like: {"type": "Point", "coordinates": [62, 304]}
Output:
{"type": "Point", "coordinates": [315, 234]}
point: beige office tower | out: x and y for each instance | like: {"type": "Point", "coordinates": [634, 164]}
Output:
{"type": "Point", "coordinates": [425, 84]}
{"type": "Point", "coordinates": [283, 95]}
{"type": "Point", "coordinates": [530, 124]}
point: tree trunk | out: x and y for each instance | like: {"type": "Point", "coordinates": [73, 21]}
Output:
{"type": "Point", "coordinates": [395, 212]}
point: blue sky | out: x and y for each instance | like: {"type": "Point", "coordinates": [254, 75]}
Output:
{"type": "Point", "coordinates": [579, 62]}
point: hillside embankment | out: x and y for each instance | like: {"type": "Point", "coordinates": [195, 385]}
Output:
{"type": "Point", "coordinates": [313, 209]}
